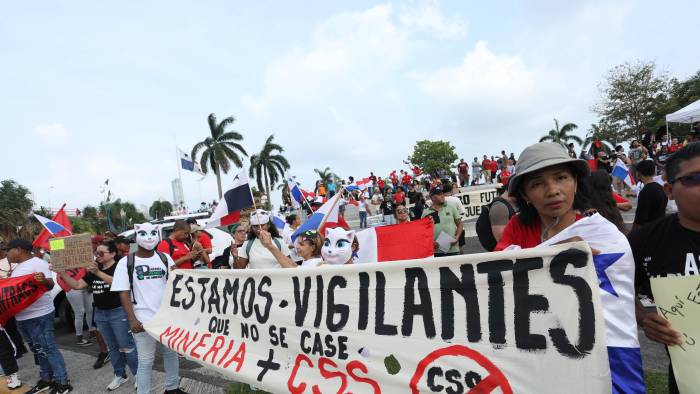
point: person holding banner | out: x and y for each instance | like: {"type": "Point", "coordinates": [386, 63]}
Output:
{"type": "Point", "coordinates": [141, 279]}
{"type": "Point", "coordinates": [545, 187]}
{"type": "Point", "coordinates": [110, 316]}
{"type": "Point", "coordinates": [670, 246]}
{"type": "Point", "coordinates": [35, 322]}
{"type": "Point", "coordinates": [264, 247]}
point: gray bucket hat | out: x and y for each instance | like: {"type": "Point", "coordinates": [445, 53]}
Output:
{"type": "Point", "coordinates": [542, 155]}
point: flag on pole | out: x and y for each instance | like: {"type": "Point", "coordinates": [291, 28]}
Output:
{"type": "Point", "coordinates": [237, 198]}
{"type": "Point", "coordinates": [295, 193]}
{"type": "Point", "coordinates": [279, 222]}
{"type": "Point", "coordinates": [359, 185]}
{"type": "Point", "coordinates": [405, 241]}
{"type": "Point", "coordinates": [61, 218]}
{"type": "Point", "coordinates": [50, 225]}
{"type": "Point", "coordinates": [187, 163]}
{"type": "Point", "coordinates": [621, 171]}
{"type": "Point", "coordinates": [327, 213]}
{"type": "Point", "coordinates": [615, 268]}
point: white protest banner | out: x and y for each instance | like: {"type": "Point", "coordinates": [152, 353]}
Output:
{"type": "Point", "coordinates": [527, 321]}
{"type": "Point", "coordinates": [677, 299]}
{"type": "Point", "coordinates": [473, 198]}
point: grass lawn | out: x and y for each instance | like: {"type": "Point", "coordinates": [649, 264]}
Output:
{"type": "Point", "coordinates": [656, 384]}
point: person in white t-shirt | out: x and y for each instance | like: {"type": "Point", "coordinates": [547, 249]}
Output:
{"type": "Point", "coordinates": [253, 254]}
{"type": "Point", "coordinates": [141, 289]}
{"type": "Point", "coordinates": [308, 245]}
{"type": "Point", "coordinates": [35, 322]}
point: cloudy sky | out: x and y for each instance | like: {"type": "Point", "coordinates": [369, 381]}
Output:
{"type": "Point", "coordinates": [97, 90]}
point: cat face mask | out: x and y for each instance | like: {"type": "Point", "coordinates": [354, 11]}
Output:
{"type": "Point", "coordinates": [337, 246]}
{"type": "Point", "coordinates": [147, 235]}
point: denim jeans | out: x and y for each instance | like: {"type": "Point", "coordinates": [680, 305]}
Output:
{"type": "Point", "coordinates": [38, 333]}
{"type": "Point", "coordinates": [81, 302]}
{"type": "Point", "coordinates": [114, 327]}
{"type": "Point", "coordinates": [363, 219]}
{"type": "Point", "coordinates": [146, 346]}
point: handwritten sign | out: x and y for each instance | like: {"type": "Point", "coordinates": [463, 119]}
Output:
{"type": "Point", "coordinates": [526, 321]}
{"type": "Point", "coordinates": [678, 300]}
{"type": "Point", "coordinates": [74, 251]}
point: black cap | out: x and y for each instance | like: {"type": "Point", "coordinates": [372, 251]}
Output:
{"type": "Point", "coordinates": [122, 240]}
{"type": "Point", "coordinates": [435, 190]}
{"type": "Point", "coordinates": [19, 243]}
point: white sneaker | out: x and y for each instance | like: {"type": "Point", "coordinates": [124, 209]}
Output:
{"type": "Point", "coordinates": [13, 381]}
{"type": "Point", "coordinates": [116, 382]}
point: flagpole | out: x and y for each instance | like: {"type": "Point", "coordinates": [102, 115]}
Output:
{"type": "Point", "coordinates": [179, 172]}
{"type": "Point", "coordinates": [325, 217]}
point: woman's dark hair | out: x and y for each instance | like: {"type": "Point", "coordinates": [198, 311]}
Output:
{"type": "Point", "coordinates": [272, 229]}
{"type": "Point", "coordinates": [601, 199]}
{"type": "Point", "coordinates": [110, 245]}
{"type": "Point", "coordinates": [528, 214]}
{"type": "Point", "coordinates": [291, 218]}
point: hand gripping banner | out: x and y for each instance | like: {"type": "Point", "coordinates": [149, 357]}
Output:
{"type": "Point", "coordinates": [17, 294]}
{"type": "Point", "coordinates": [526, 321]}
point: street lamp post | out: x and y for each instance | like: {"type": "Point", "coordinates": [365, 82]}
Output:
{"type": "Point", "coordinates": [50, 187]}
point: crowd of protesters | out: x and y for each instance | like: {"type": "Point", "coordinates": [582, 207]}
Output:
{"type": "Point", "coordinates": [544, 191]}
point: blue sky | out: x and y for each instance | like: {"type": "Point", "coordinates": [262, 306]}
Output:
{"type": "Point", "coordinates": [94, 90]}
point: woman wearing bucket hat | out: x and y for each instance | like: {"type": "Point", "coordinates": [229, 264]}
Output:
{"type": "Point", "coordinates": [547, 185]}
{"type": "Point", "coordinates": [264, 247]}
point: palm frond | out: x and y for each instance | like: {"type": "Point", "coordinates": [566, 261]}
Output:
{"type": "Point", "coordinates": [211, 120]}
{"type": "Point", "coordinates": [196, 148]}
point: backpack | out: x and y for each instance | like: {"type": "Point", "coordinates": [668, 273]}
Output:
{"type": "Point", "coordinates": [249, 246]}
{"type": "Point", "coordinates": [130, 269]}
{"type": "Point", "coordinates": [483, 224]}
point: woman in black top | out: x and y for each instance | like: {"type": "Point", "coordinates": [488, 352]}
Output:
{"type": "Point", "coordinates": [110, 317]}
{"type": "Point", "coordinates": [228, 258]}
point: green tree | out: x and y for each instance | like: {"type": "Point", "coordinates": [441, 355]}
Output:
{"type": "Point", "coordinates": [268, 166]}
{"type": "Point", "coordinates": [121, 215]}
{"type": "Point", "coordinates": [430, 156]}
{"type": "Point", "coordinates": [82, 225]}
{"type": "Point", "coordinates": [631, 94]}
{"type": "Point", "coordinates": [15, 208]}
{"type": "Point", "coordinates": [561, 135]}
{"type": "Point", "coordinates": [680, 94]}
{"type": "Point", "coordinates": [159, 209]}
{"type": "Point", "coordinates": [326, 175]}
{"type": "Point", "coordinates": [220, 148]}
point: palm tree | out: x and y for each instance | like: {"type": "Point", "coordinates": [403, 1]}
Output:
{"type": "Point", "coordinates": [160, 208]}
{"type": "Point", "coordinates": [220, 149]}
{"type": "Point", "coordinates": [268, 166]}
{"type": "Point", "coordinates": [326, 174]}
{"type": "Point", "coordinates": [596, 133]}
{"type": "Point", "coordinates": [284, 187]}
{"type": "Point", "coordinates": [561, 135]}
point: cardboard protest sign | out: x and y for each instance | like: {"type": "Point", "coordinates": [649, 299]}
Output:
{"type": "Point", "coordinates": [17, 294]}
{"type": "Point", "coordinates": [74, 251]}
{"type": "Point", "coordinates": [677, 299]}
{"type": "Point", "coordinates": [528, 321]}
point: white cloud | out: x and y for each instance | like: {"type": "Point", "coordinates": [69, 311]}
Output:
{"type": "Point", "coordinates": [482, 77]}
{"type": "Point", "coordinates": [428, 18]}
{"type": "Point", "coordinates": [51, 131]}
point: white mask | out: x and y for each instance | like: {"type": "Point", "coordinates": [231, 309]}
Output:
{"type": "Point", "coordinates": [337, 246]}
{"type": "Point", "coordinates": [147, 235]}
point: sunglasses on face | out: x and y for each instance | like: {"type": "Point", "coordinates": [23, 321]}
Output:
{"type": "Point", "coordinates": [688, 180]}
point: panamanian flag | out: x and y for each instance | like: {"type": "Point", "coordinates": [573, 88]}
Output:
{"type": "Point", "coordinates": [615, 268]}
{"type": "Point", "coordinates": [240, 196]}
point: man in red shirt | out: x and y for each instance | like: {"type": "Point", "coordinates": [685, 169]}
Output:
{"type": "Point", "coordinates": [486, 169]}
{"type": "Point", "coordinates": [463, 170]}
{"type": "Point", "coordinates": [380, 183]}
{"type": "Point", "coordinates": [494, 168]}
{"type": "Point", "coordinates": [406, 181]}
{"type": "Point", "coordinates": [175, 245]}
{"type": "Point", "coordinates": [399, 197]}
